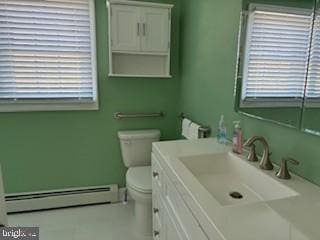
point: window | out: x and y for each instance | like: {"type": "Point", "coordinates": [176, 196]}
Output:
{"type": "Point", "coordinates": [47, 55]}
{"type": "Point", "coordinates": [276, 55]}
{"type": "Point", "coordinates": [313, 83]}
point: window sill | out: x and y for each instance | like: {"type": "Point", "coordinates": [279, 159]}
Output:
{"type": "Point", "coordinates": [271, 104]}
{"type": "Point", "coordinates": [311, 103]}
{"type": "Point", "coordinates": [48, 106]}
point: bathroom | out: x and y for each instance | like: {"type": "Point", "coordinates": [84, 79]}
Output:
{"type": "Point", "coordinates": [49, 147]}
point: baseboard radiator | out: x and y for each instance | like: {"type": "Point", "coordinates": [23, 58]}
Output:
{"type": "Point", "coordinates": [34, 201]}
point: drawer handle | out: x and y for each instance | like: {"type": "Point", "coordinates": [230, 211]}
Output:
{"type": "Point", "coordinates": [155, 174]}
{"type": "Point", "coordinates": [156, 210]}
{"type": "Point", "coordinates": [156, 233]}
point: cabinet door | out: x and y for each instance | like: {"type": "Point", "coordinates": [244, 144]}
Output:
{"type": "Point", "coordinates": [125, 28]}
{"type": "Point", "coordinates": [155, 29]}
{"type": "Point", "coordinates": [172, 229]}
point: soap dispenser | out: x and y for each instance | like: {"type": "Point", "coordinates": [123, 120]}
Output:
{"type": "Point", "coordinates": [237, 138]}
{"type": "Point", "coordinates": [222, 131]}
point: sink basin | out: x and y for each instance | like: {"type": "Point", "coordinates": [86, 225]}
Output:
{"type": "Point", "coordinates": [231, 180]}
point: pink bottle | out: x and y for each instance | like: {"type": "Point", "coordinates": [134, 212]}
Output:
{"type": "Point", "coordinates": [237, 138]}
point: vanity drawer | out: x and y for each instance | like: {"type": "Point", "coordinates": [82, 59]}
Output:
{"type": "Point", "coordinates": [172, 229]}
{"type": "Point", "coordinates": [157, 210]}
{"type": "Point", "coordinates": [157, 175]}
{"type": "Point", "coordinates": [157, 229]}
{"type": "Point", "coordinates": [182, 212]}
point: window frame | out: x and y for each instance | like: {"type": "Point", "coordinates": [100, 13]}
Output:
{"type": "Point", "coordinates": [262, 102]}
{"type": "Point", "coordinates": [25, 105]}
{"type": "Point", "coordinates": [313, 102]}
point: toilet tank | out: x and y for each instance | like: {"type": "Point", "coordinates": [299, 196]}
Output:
{"type": "Point", "coordinates": [136, 146]}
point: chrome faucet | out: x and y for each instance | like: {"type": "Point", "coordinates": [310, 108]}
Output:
{"type": "Point", "coordinates": [283, 172]}
{"type": "Point", "coordinates": [265, 162]}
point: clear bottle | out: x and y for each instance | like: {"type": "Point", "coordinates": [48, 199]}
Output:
{"type": "Point", "coordinates": [237, 138]}
{"type": "Point", "coordinates": [222, 131]}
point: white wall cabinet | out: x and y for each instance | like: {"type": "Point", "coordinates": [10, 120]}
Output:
{"type": "Point", "coordinates": [139, 39]}
{"type": "Point", "coordinates": [125, 28]}
{"type": "Point", "coordinates": [172, 219]}
{"type": "Point", "coordinates": [155, 29]}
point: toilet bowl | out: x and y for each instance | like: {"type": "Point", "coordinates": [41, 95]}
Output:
{"type": "Point", "coordinates": [136, 149]}
{"type": "Point", "coordinates": [138, 181]}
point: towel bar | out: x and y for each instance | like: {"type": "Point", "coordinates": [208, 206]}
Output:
{"type": "Point", "coordinates": [204, 131]}
{"type": "Point", "coordinates": [120, 115]}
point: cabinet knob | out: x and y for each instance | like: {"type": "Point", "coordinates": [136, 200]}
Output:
{"type": "Point", "coordinates": [155, 174]}
{"type": "Point", "coordinates": [155, 210]}
{"type": "Point", "coordinates": [156, 233]}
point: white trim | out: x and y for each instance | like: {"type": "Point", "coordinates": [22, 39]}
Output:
{"type": "Point", "coordinates": [267, 120]}
{"type": "Point", "coordinates": [48, 106]}
{"type": "Point", "coordinates": [110, 62]}
{"type": "Point", "coordinates": [278, 8]}
{"type": "Point", "coordinates": [169, 43]}
{"type": "Point", "coordinates": [93, 50]}
{"type": "Point", "coordinates": [270, 103]}
{"type": "Point", "coordinates": [312, 103]}
{"type": "Point", "coordinates": [64, 198]}
{"type": "Point", "coordinates": [239, 52]}
{"type": "Point", "coordinates": [136, 3]}
{"type": "Point", "coordinates": [246, 53]}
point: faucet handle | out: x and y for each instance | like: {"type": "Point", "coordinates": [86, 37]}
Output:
{"type": "Point", "coordinates": [283, 172]}
{"type": "Point", "coordinates": [252, 156]}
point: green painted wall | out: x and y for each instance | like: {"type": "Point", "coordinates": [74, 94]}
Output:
{"type": "Point", "coordinates": [209, 31]}
{"type": "Point", "coordinates": [53, 150]}
{"type": "Point", "coordinates": [311, 119]}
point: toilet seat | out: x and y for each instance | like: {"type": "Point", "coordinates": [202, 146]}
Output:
{"type": "Point", "coordinates": [139, 179]}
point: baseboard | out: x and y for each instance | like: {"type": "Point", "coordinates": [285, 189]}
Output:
{"type": "Point", "coordinates": [45, 200]}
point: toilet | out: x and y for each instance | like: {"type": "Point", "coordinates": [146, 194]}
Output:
{"type": "Point", "coordinates": [136, 147]}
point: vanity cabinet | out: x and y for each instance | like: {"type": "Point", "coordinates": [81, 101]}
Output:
{"type": "Point", "coordinates": [165, 225]}
{"type": "Point", "coordinates": [139, 39]}
{"type": "Point", "coordinates": [172, 219]}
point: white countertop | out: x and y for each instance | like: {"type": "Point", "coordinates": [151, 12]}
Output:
{"type": "Point", "coordinates": [293, 218]}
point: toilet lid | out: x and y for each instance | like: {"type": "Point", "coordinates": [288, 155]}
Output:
{"type": "Point", "coordinates": [139, 178]}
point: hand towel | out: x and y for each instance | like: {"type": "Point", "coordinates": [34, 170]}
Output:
{"type": "Point", "coordinates": [185, 127]}
{"type": "Point", "coordinates": [194, 131]}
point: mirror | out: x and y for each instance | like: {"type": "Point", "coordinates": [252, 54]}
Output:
{"type": "Point", "coordinates": [273, 56]}
{"type": "Point", "coordinates": [311, 111]}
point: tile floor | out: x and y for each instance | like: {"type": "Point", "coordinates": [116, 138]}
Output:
{"type": "Point", "coordinates": [105, 222]}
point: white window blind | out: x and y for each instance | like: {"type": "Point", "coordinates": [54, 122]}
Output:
{"type": "Point", "coordinates": [276, 53]}
{"type": "Point", "coordinates": [47, 50]}
{"type": "Point", "coordinates": [313, 84]}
